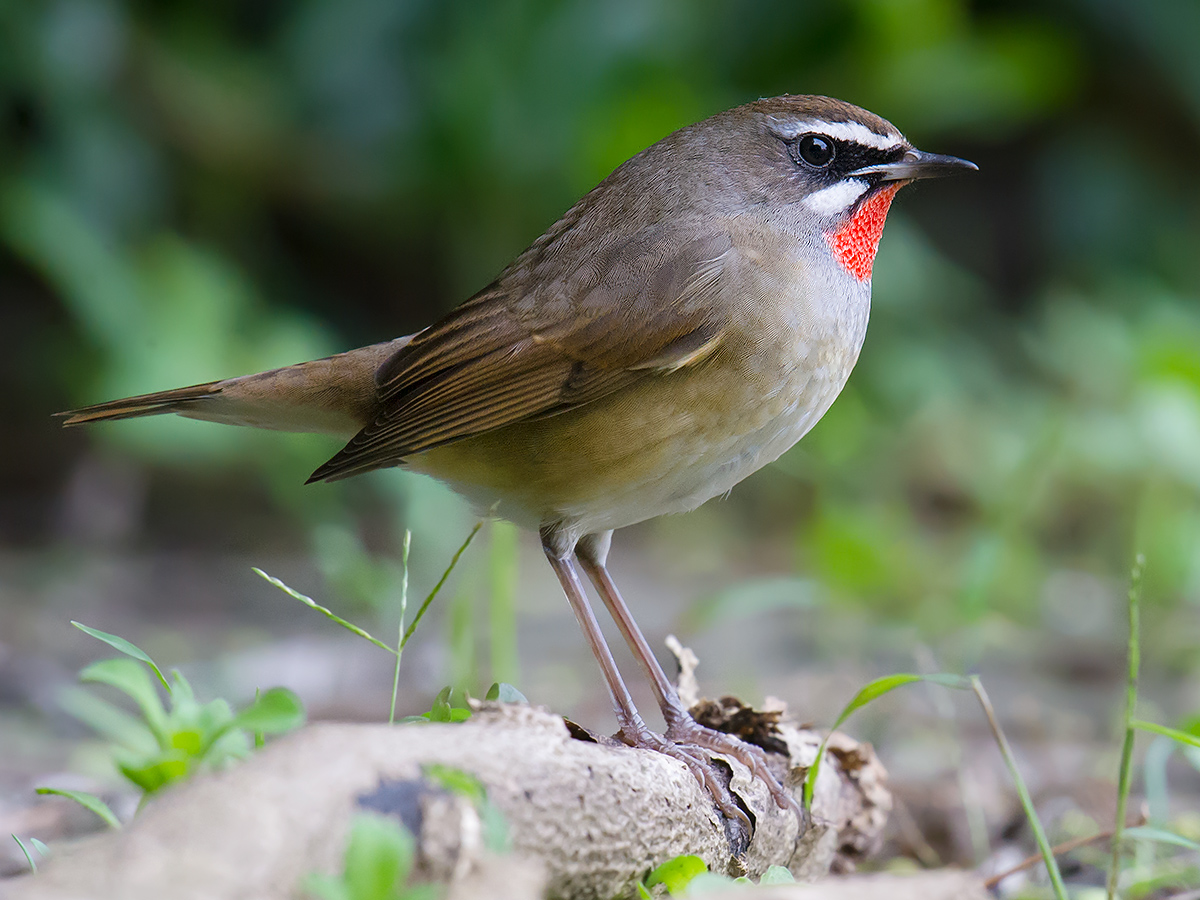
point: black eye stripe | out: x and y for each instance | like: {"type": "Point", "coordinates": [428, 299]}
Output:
{"type": "Point", "coordinates": [848, 156]}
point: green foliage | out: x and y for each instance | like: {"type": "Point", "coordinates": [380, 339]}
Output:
{"type": "Point", "coordinates": [688, 876]}
{"type": "Point", "coordinates": [1132, 667]}
{"type": "Point", "coordinates": [378, 861]}
{"type": "Point", "coordinates": [447, 707]}
{"type": "Point", "coordinates": [442, 711]}
{"type": "Point", "coordinates": [1131, 726]}
{"type": "Point", "coordinates": [872, 691]}
{"type": "Point", "coordinates": [676, 874]}
{"type": "Point", "coordinates": [1031, 816]}
{"type": "Point", "coordinates": [1187, 738]}
{"type": "Point", "coordinates": [170, 741]}
{"type": "Point", "coordinates": [38, 845]}
{"type": "Point", "coordinates": [90, 802]}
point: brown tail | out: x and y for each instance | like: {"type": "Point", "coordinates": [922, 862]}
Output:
{"type": "Point", "coordinates": [177, 400]}
{"type": "Point", "coordinates": [335, 395]}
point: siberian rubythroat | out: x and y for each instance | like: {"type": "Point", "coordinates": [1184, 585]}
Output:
{"type": "Point", "coordinates": [682, 325]}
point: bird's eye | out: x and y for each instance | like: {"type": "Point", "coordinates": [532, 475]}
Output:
{"type": "Point", "coordinates": [815, 150]}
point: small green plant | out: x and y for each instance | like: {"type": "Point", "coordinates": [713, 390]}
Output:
{"type": "Point", "coordinates": [404, 635]}
{"type": "Point", "coordinates": [887, 683]}
{"type": "Point", "coordinates": [1010, 761]}
{"type": "Point", "coordinates": [448, 706]}
{"type": "Point", "coordinates": [378, 862]}
{"type": "Point", "coordinates": [675, 875]}
{"type": "Point", "coordinates": [1132, 725]}
{"type": "Point", "coordinates": [41, 848]}
{"type": "Point", "coordinates": [1145, 878]}
{"type": "Point", "coordinates": [380, 851]}
{"type": "Point", "coordinates": [871, 691]}
{"type": "Point", "coordinates": [172, 740]}
{"type": "Point", "coordinates": [452, 705]}
{"type": "Point", "coordinates": [686, 876]}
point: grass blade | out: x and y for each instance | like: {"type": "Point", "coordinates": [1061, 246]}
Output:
{"type": "Point", "coordinates": [1161, 835]}
{"type": "Point", "coordinates": [87, 801]}
{"type": "Point", "coordinates": [872, 691]}
{"type": "Point", "coordinates": [328, 613]}
{"type": "Point", "coordinates": [1039, 833]}
{"type": "Point", "coordinates": [1188, 740]}
{"type": "Point", "coordinates": [119, 643]}
{"type": "Point", "coordinates": [28, 855]}
{"type": "Point", "coordinates": [400, 628]}
{"type": "Point", "coordinates": [1131, 686]}
{"type": "Point", "coordinates": [437, 587]}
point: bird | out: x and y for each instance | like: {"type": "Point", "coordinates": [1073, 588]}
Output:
{"type": "Point", "coordinates": [681, 326]}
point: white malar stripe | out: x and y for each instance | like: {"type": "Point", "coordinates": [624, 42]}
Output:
{"type": "Point", "coordinates": [836, 198]}
{"type": "Point", "coordinates": [841, 131]}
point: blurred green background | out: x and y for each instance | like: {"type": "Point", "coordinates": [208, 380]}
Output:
{"type": "Point", "coordinates": [191, 190]}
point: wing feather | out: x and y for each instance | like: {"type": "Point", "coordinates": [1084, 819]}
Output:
{"type": "Point", "coordinates": [636, 310]}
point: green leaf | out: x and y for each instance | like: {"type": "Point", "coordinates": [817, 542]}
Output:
{"type": "Point", "coordinates": [456, 781]}
{"type": "Point", "coordinates": [1188, 740]}
{"type": "Point", "coordinates": [643, 894]}
{"type": "Point", "coordinates": [378, 858]}
{"type": "Point", "coordinates": [443, 709]}
{"type": "Point", "coordinates": [181, 690]}
{"type": "Point", "coordinates": [214, 721]}
{"type": "Point", "coordinates": [41, 848]}
{"type": "Point", "coordinates": [272, 712]}
{"type": "Point", "coordinates": [777, 875]}
{"type": "Point", "coordinates": [119, 643]}
{"type": "Point", "coordinates": [1014, 771]}
{"type": "Point", "coordinates": [28, 855]}
{"type": "Point", "coordinates": [87, 801]}
{"type": "Point", "coordinates": [676, 874]}
{"type": "Point", "coordinates": [328, 613]}
{"type": "Point", "coordinates": [872, 691]}
{"type": "Point", "coordinates": [188, 741]}
{"type": "Point", "coordinates": [151, 775]}
{"type": "Point", "coordinates": [326, 887]}
{"type": "Point", "coordinates": [131, 679]}
{"type": "Point", "coordinates": [109, 721]}
{"type": "Point", "coordinates": [503, 692]}
{"type": "Point", "coordinates": [1162, 836]}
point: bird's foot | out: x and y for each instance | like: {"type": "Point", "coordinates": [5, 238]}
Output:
{"type": "Point", "coordinates": [683, 730]}
{"type": "Point", "coordinates": [697, 761]}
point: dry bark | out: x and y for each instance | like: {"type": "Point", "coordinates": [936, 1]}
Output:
{"type": "Point", "coordinates": [592, 818]}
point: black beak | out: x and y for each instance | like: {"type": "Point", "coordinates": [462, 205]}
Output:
{"type": "Point", "coordinates": [916, 164]}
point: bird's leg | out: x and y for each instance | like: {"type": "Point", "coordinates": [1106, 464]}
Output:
{"type": "Point", "coordinates": [681, 727]}
{"type": "Point", "coordinates": [633, 730]}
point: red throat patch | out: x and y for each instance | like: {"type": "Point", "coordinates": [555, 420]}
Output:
{"type": "Point", "coordinates": [855, 243]}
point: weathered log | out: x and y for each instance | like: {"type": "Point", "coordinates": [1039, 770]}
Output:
{"type": "Point", "coordinates": [593, 818]}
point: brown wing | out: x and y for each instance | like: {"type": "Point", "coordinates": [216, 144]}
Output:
{"type": "Point", "coordinates": [505, 355]}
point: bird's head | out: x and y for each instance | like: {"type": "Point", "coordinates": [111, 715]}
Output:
{"type": "Point", "coordinates": [823, 166]}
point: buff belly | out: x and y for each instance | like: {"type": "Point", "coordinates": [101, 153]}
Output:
{"type": "Point", "coordinates": [663, 445]}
